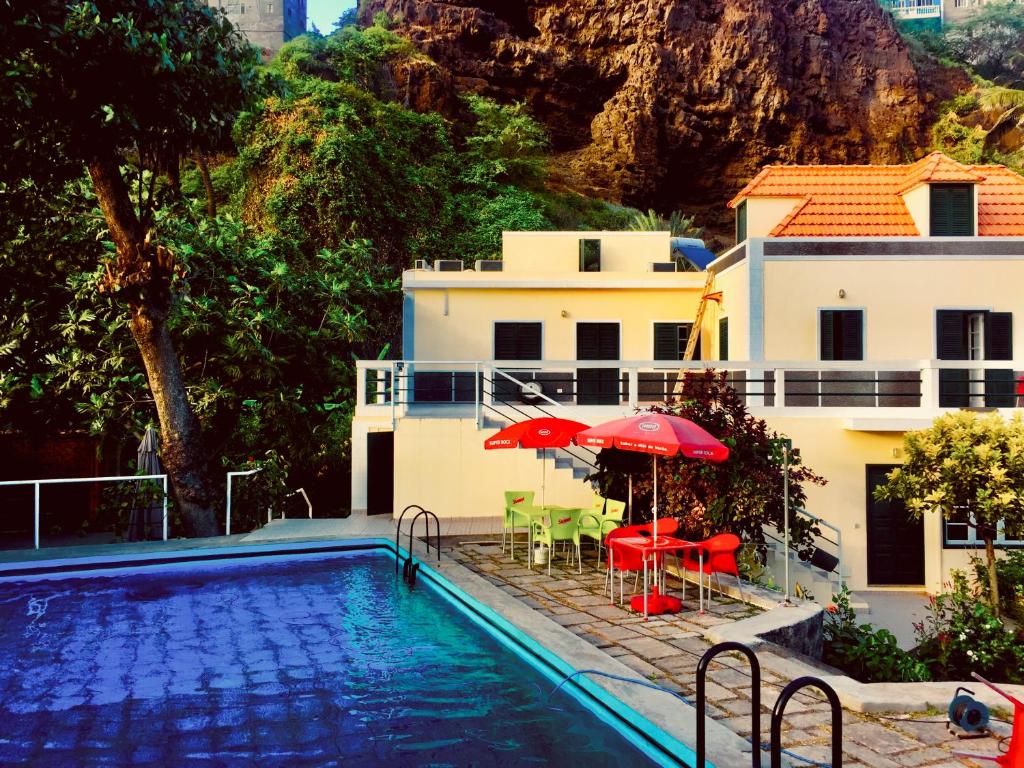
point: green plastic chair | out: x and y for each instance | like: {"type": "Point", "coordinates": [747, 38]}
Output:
{"type": "Point", "coordinates": [514, 500]}
{"type": "Point", "coordinates": [559, 526]}
{"type": "Point", "coordinates": [605, 515]}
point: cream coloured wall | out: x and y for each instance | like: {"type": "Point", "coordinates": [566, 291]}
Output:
{"type": "Point", "coordinates": [458, 324]}
{"type": "Point", "coordinates": [549, 252]}
{"type": "Point", "coordinates": [899, 300]}
{"type": "Point", "coordinates": [765, 213]}
{"type": "Point", "coordinates": [918, 203]}
{"type": "Point", "coordinates": [456, 477]}
{"type": "Point", "coordinates": [734, 283]}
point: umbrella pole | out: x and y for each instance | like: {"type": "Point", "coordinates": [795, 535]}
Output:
{"type": "Point", "coordinates": [655, 460]}
{"type": "Point", "coordinates": [629, 479]}
{"type": "Point", "coordinates": [543, 474]}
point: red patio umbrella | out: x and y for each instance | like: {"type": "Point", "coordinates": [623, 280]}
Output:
{"type": "Point", "coordinates": [543, 433]}
{"type": "Point", "coordinates": [659, 434]}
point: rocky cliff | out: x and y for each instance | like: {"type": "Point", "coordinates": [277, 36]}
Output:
{"type": "Point", "coordinates": [676, 103]}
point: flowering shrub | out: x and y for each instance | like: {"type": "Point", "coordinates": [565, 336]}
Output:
{"type": "Point", "coordinates": [961, 634]}
{"type": "Point", "coordinates": [868, 654]}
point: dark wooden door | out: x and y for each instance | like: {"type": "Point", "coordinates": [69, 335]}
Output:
{"type": "Point", "coordinates": [597, 386]}
{"type": "Point", "coordinates": [895, 540]}
{"type": "Point", "coordinates": [380, 473]}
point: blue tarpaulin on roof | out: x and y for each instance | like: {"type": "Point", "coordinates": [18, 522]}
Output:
{"type": "Point", "coordinates": [693, 251]}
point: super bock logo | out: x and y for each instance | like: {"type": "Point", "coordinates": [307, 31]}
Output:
{"type": "Point", "coordinates": [650, 426]}
{"type": "Point", "coordinates": [543, 432]}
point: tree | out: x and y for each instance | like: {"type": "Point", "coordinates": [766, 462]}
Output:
{"type": "Point", "coordinates": [678, 224]}
{"type": "Point", "coordinates": [990, 41]}
{"type": "Point", "coordinates": [126, 90]}
{"type": "Point", "coordinates": [740, 495]}
{"type": "Point", "coordinates": [969, 467]}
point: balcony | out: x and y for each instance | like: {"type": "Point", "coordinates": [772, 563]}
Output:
{"type": "Point", "coordinates": [914, 9]}
{"type": "Point", "coordinates": [864, 392]}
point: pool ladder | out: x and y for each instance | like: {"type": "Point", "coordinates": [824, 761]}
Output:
{"type": "Point", "coordinates": [778, 711]}
{"type": "Point", "coordinates": [410, 568]}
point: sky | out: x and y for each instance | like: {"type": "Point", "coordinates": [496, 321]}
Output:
{"type": "Point", "coordinates": [324, 13]}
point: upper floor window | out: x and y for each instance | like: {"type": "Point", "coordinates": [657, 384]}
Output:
{"type": "Point", "coordinates": [670, 341]}
{"type": "Point", "coordinates": [517, 341]}
{"type": "Point", "coordinates": [741, 222]}
{"type": "Point", "coordinates": [842, 334]}
{"type": "Point", "coordinates": [952, 210]}
{"type": "Point", "coordinates": [590, 255]}
{"type": "Point", "coordinates": [964, 334]}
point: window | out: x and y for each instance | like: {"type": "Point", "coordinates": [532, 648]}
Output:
{"type": "Point", "coordinates": [590, 255]}
{"type": "Point", "coordinates": [952, 210]}
{"type": "Point", "coordinates": [957, 532]}
{"type": "Point", "coordinates": [842, 334]}
{"type": "Point", "coordinates": [723, 338]}
{"type": "Point", "coordinates": [670, 341]}
{"type": "Point", "coordinates": [517, 341]}
{"type": "Point", "coordinates": [741, 222]}
{"type": "Point", "coordinates": [975, 335]}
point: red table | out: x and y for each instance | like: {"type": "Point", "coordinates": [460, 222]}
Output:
{"type": "Point", "coordinates": [648, 547]}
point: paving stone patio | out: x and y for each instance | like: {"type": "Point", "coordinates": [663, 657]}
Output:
{"type": "Point", "coordinates": [665, 650]}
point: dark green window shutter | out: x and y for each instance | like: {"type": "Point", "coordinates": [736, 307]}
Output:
{"type": "Point", "coordinates": [741, 222]}
{"type": "Point", "coordinates": [951, 334]}
{"type": "Point", "coordinates": [999, 336]}
{"type": "Point", "coordinates": [828, 334]}
{"type": "Point", "coordinates": [517, 341]}
{"type": "Point", "coordinates": [952, 210]}
{"type": "Point", "coordinates": [842, 334]}
{"type": "Point", "coordinates": [723, 338]}
{"type": "Point", "coordinates": [852, 335]}
{"type": "Point", "coordinates": [1000, 388]}
{"type": "Point", "coordinates": [666, 341]}
{"type": "Point", "coordinates": [597, 341]}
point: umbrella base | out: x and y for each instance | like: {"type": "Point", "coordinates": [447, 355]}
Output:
{"type": "Point", "coordinates": [656, 603]}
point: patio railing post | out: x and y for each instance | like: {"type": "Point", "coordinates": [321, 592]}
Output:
{"type": "Point", "coordinates": [227, 511]}
{"type": "Point", "coordinates": [394, 395]}
{"type": "Point", "coordinates": [165, 507]}
{"type": "Point", "coordinates": [634, 378]}
{"type": "Point", "coordinates": [37, 515]}
{"type": "Point", "coordinates": [476, 392]}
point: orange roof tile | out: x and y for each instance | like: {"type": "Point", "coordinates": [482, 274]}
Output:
{"type": "Point", "coordinates": [866, 200]}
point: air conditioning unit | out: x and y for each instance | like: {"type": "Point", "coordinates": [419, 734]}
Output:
{"type": "Point", "coordinates": [421, 264]}
{"type": "Point", "coordinates": [663, 266]}
{"type": "Point", "coordinates": [448, 265]}
{"type": "Point", "coordinates": [488, 265]}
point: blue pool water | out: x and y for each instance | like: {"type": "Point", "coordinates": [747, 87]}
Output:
{"type": "Point", "coordinates": [326, 661]}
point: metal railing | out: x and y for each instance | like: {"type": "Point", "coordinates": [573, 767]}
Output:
{"type": "Point", "coordinates": [227, 504]}
{"type": "Point", "coordinates": [921, 384]}
{"type": "Point", "coordinates": [106, 479]}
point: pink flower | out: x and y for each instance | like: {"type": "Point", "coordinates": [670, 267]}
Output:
{"type": "Point", "coordinates": [832, 608]}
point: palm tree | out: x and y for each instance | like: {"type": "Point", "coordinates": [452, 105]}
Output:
{"type": "Point", "coordinates": [678, 224]}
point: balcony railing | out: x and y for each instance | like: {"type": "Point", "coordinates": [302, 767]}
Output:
{"type": "Point", "coordinates": [914, 9]}
{"type": "Point", "coordinates": [928, 384]}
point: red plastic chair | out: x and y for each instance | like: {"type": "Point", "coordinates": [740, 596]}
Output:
{"type": "Point", "coordinates": [625, 560]}
{"type": "Point", "coordinates": [719, 557]}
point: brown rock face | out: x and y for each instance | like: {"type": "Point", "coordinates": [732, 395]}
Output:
{"type": "Point", "coordinates": [676, 103]}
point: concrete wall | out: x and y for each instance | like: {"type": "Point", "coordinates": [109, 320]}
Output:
{"type": "Point", "coordinates": [458, 324]}
{"type": "Point", "coordinates": [765, 213]}
{"type": "Point", "coordinates": [548, 252]}
{"type": "Point", "coordinates": [267, 24]}
{"type": "Point", "coordinates": [918, 203]}
{"type": "Point", "coordinates": [899, 299]}
{"type": "Point", "coordinates": [734, 283]}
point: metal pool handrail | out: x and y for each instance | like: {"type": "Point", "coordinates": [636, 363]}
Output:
{"type": "Point", "coordinates": [398, 532]}
{"type": "Point", "coordinates": [755, 699]}
{"type": "Point", "coordinates": [106, 479]}
{"type": "Point", "coordinates": [837, 718]}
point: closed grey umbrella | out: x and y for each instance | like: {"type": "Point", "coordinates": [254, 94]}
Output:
{"type": "Point", "coordinates": [147, 518]}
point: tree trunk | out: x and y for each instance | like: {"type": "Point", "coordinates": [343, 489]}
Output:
{"type": "Point", "coordinates": [993, 581]}
{"type": "Point", "coordinates": [181, 444]}
{"type": "Point", "coordinates": [204, 174]}
{"type": "Point", "coordinates": [141, 276]}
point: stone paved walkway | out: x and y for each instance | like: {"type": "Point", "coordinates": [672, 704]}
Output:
{"type": "Point", "coordinates": [665, 650]}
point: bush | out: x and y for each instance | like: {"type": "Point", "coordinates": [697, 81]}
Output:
{"type": "Point", "coordinates": [868, 654]}
{"type": "Point", "coordinates": [961, 635]}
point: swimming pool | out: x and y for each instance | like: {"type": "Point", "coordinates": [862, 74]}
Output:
{"type": "Point", "coordinates": [322, 659]}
